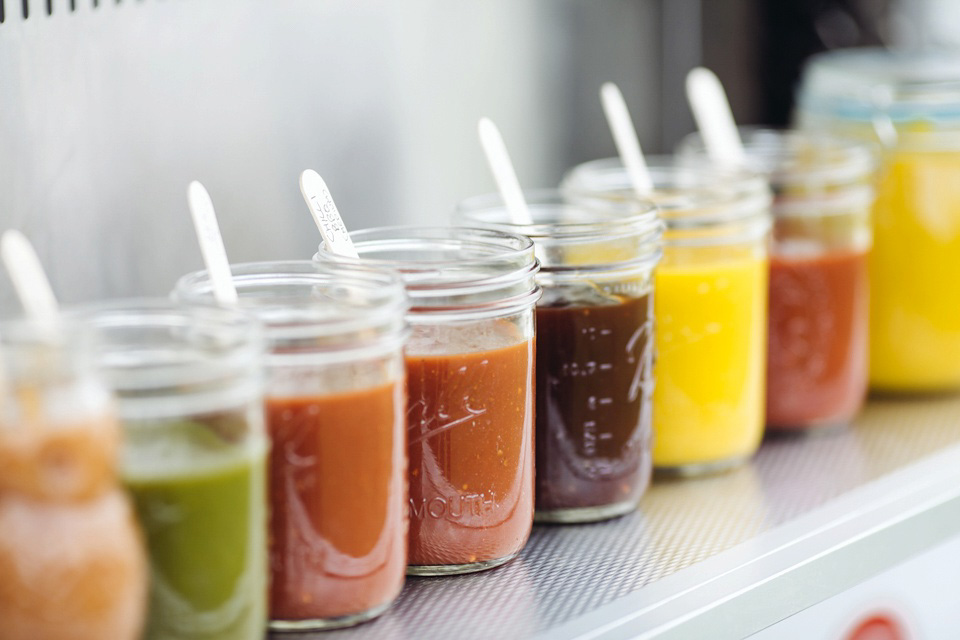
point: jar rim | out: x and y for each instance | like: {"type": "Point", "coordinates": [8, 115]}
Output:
{"type": "Point", "coordinates": [687, 198]}
{"type": "Point", "coordinates": [559, 221]}
{"type": "Point", "coordinates": [473, 272]}
{"type": "Point", "coordinates": [300, 298]}
{"type": "Point", "coordinates": [793, 158]}
{"type": "Point", "coordinates": [860, 84]}
{"type": "Point", "coordinates": [594, 216]}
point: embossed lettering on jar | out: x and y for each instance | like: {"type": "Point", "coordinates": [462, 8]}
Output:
{"type": "Point", "coordinates": [470, 364]}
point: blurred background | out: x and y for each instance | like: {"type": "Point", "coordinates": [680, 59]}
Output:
{"type": "Point", "coordinates": [108, 108]}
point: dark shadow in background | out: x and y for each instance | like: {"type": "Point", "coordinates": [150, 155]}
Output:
{"type": "Point", "coordinates": [790, 31]}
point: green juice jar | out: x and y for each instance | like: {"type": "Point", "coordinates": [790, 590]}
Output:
{"type": "Point", "coordinates": [189, 396]}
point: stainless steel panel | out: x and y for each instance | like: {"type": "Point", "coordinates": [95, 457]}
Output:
{"type": "Point", "coordinates": [108, 112]}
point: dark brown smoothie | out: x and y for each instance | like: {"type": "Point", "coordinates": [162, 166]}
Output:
{"type": "Point", "coordinates": [594, 380]}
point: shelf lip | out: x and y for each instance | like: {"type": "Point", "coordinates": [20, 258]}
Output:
{"type": "Point", "coordinates": [819, 554]}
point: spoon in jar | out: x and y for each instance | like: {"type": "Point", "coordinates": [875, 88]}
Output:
{"type": "Point", "coordinates": [211, 244]}
{"type": "Point", "coordinates": [625, 137]}
{"type": "Point", "coordinates": [711, 110]}
{"type": "Point", "coordinates": [504, 173]}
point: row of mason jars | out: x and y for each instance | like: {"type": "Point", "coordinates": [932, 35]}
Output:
{"type": "Point", "coordinates": [356, 419]}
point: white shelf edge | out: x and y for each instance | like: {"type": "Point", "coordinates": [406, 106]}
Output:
{"type": "Point", "coordinates": [755, 584]}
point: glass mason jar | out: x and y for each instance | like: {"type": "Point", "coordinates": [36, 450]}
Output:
{"type": "Point", "coordinates": [908, 106]}
{"type": "Point", "coordinates": [71, 560]}
{"type": "Point", "coordinates": [470, 364]}
{"type": "Point", "coordinates": [710, 310]}
{"type": "Point", "coordinates": [335, 415]}
{"type": "Point", "coordinates": [190, 398]}
{"type": "Point", "coordinates": [819, 290]}
{"type": "Point", "coordinates": [594, 364]}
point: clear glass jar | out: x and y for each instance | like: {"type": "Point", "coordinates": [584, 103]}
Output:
{"type": "Point", "coordinates": [190, 398]}
{"type": "Point", "coordinates": [335, 415]}
{"type": "Point", "coordinates": [71, 560]}
{"type": "Point", "coordinates": [710, 310]}
{"type": "Point", "coordinates": [819, 290]}
{"type": "Point", "coordinates": [908, 106]}
{"type": "Point", "coordinates": [594, 365]}
{"type": "Point", "coordinates": [470, 365]}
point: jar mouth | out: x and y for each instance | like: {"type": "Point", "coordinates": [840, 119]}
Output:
{"type": "Point", "coordinates": [689, 199]}
{"type": "Point", "coordinates": [859, 84]}
{"type": "Point", "coordinates": [558, 217]}
{"type": "Point", "coordinates": [300, 299]}
{"type": "Point", "coordinates": [808, 160]}
{"type": "Point", "coordinates": [150, 345]}
{"type": "Point", "coordinates": [38, 352]}
{"type": "Point", "coordinates": [450, 270]}
{"type": "Point", "coordinates": [595, 234]}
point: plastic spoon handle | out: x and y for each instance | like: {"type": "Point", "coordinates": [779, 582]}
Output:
{"type": "Point", "coordinates": [625, 137]}
{"type": "Point", "coordinates": [29, 279]}
{"type": "Point", "coordinates": [211, 244]}
{"type": "Point", "coordinates": [711, 110]}
{"type": "Point", "coordinates": [503, 172]}
{"type": "Point", "coordinates": [325, 214]}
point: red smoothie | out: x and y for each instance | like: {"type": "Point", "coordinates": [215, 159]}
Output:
{"type": "Point", "coordinates": [817, 358]}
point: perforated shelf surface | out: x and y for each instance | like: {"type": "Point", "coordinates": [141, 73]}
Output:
{"type": "Point", "coordinates": [567, 572]}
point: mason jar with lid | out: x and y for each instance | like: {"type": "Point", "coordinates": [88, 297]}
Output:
{"type": "Point", "coordinates": [335, 412]}
{"type": "Point", "coordinates": [71, 558]}
{"type": "Point", "coordinates": [819, 290]}
{"type": "Point", "coordinates": [594, 348]}
{"type": "Point", "coordinates": [908, 106]}
{"type": "Point", "coordinates": [710, 309]}
{"type": "Point", "coordinates": [189, 394]}
{"type": "Point", "coordinates": [470, 367]}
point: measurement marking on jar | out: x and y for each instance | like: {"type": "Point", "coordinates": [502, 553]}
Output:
{"type": "Point", "coordinates": [590, 437]}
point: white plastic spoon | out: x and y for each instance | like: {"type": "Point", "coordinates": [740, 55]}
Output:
{"type": "Point", "coordinates": [714, 118]}
{"type": "Point", "coordinates": [29, 279]}
{"type": "Point", "coordinates": [211, 244]}
{"type": "Point", "coordinates": [625, 137]}
{"type": "Point", "coordinates": [503, 172]}
{"type": "Point", "coordinates": [325, 214]}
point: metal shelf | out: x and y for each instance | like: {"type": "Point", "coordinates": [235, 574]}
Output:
{"type": "Point", "coordinates": [717, 557]}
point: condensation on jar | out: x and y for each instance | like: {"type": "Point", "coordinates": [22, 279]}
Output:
{"type": "Point", "coordinates": [470, 364]}
{"type": "Point", "coordinates": [594, 348]}
{"type": "Point", "coordinates": [907, 105]}
{"type": "Point", "coordinates": [710, 309]}
{"type": "Point", "coordinates": [817, 353]}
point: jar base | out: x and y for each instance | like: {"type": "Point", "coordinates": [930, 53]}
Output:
{"type": "Point", "coordinates": [577, 515]}
{"type": "Point", "coordinates": [807, 431]}
{"type": "Point", "coordinates": [325, 624]}
{"type": "Point", "coordinates": [457, 569]}
{"type": "Point", "coordinates": [696, 469]}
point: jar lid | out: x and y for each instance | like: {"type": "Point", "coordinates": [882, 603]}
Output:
{"type": "Point", "coordinates": [860, 84]}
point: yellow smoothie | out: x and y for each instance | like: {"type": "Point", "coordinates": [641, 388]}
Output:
{"type": "Point", "coordinates": [915, 273]}
{"type": "Point", "coordinates": [711, 323]}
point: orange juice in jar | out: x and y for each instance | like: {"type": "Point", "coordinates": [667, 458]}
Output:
{"type": "Point", "coordinates": [908, 105]}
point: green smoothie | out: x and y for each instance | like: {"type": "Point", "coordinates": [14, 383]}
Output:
{"type": "Point", "coordinates": [199, 490]}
